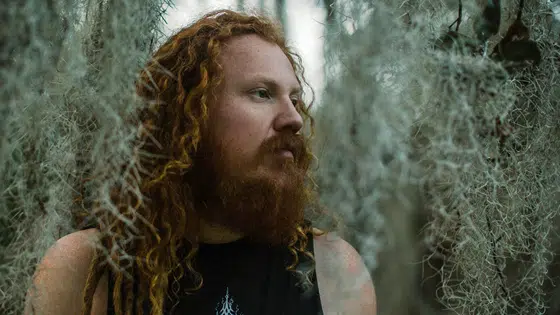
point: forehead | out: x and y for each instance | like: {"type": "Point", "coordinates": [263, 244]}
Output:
{"type": "Point", "coordinates": [248, 56]}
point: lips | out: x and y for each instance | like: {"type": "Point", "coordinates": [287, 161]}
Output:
{"type": "Point", "coordinates": [286, 153]}
{"type": "Point", "coordinates": [288, 146]}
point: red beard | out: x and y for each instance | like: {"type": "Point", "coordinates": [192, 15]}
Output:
{"type": "Point", "coordinates": [264, 200]}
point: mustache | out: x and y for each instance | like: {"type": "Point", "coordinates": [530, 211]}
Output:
{"type": "Point", "coordinates": [295, 143]}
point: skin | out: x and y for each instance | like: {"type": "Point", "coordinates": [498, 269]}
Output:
{"type": "Point", "coordinates": [257, 98]}
{"type": "Point", "coordinates": [256, 103]}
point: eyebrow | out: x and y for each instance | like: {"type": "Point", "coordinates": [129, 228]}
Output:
{"type": "Point", "coordinates": [274, 84]}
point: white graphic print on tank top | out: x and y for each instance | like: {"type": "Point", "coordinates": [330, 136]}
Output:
{"type": "Point", "coordinates": [227, 306]}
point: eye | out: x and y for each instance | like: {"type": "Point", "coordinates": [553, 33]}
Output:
{"type": "Point", "coordinates": [261, 93]}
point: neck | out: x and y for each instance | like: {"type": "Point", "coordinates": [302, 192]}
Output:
{"type": "Point", "coordinates": [211, 233]}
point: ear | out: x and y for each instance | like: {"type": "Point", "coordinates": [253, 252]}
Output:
{"type": "Point", "coordinates": [347, 287]}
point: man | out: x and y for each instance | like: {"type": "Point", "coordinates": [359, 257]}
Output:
{"type": "Point", "coordinates": [223, 229]}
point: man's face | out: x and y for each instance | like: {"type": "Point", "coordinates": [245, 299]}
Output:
{"type": "Point", "coordinates": [251, 166]}
{"type": "Point", "coordinates": [255, 104]}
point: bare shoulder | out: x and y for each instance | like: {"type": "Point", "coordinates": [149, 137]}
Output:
{"type": "Point", "coordinates": [342, 276]}
{"type": "Point", "coordinates": [74, 246]}
{"type": "Point", "coordinates": [338, 251]}
{"type": "Point", "coordinates": [337, 247]}
{"type": "Point", "coordinates": [73, 252]}
{"type": "Point", "coordinates": [61, 275]}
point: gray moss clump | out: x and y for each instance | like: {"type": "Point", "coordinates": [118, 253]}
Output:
{"type": "Point", "coordinates": [416, 131]}
{"type": "Point", "coordinates": [66, 83]}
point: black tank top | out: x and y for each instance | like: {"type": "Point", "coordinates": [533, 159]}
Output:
{"type": "Point", "coordinates": [243, 278]}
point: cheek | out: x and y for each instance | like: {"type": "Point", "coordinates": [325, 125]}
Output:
{"type": "Point", "coordinates": [240, 147]}
{"type": "Point", "coordinates": [244, 132]}
{"type": "Point", "coordinates": [241, 128]}
{"type": "Point", "coordinates": [240, 140]}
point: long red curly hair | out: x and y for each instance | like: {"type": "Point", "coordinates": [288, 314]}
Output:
{"type": "Point", "coordinates": [177, 83]}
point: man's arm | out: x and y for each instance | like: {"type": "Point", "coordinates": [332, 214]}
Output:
{"type": "Point", "coordinates": [345, 284]}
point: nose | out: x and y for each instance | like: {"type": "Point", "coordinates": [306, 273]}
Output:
{"type": "Point", "coordinates": [288, 118]}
